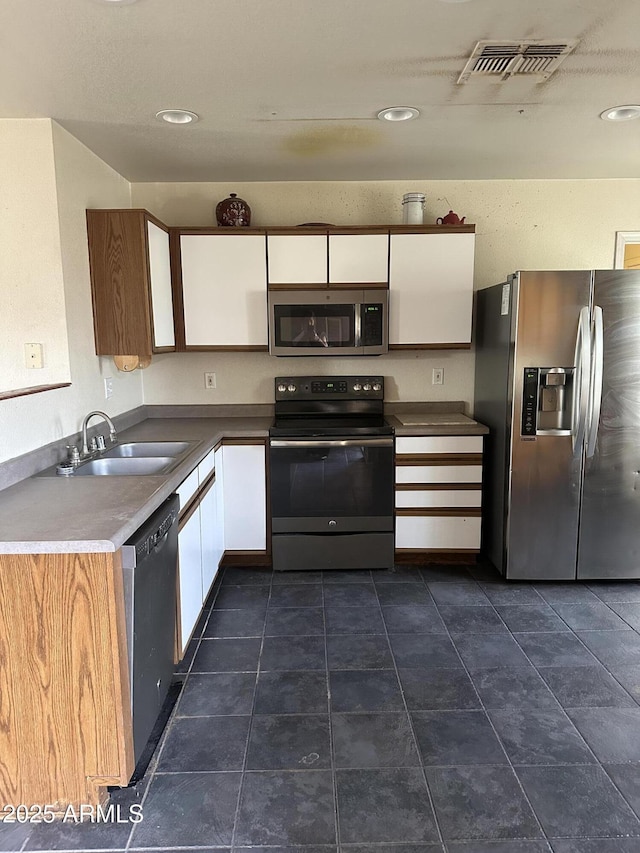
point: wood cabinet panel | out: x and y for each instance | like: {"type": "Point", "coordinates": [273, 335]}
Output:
{"type": "Point", "coordinates": [127, 273]}
{"type": "Point", "coordinates": [65, 707]}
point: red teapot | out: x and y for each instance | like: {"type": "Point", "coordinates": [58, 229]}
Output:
{"type": "Point", "coordinates": [450, 219]}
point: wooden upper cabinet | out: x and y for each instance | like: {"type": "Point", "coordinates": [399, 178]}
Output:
{"type": "Point", "coordinates": [224, 290]}
{"type": "Point", "coordinates": [130, 282]}
{"type": "Point", "coordinates": [297, 259]}
{"type": "Point", "coordinates": [359, 259]}
{"type": "Point", "coordinates": [431, 289]}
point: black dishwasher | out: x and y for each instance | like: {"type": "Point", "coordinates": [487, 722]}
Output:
{"type": "Point", "coordinates": [149, 562]}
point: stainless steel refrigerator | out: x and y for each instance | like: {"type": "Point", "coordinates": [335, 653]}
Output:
{"type": "Point", "coordinates": [558, 384]}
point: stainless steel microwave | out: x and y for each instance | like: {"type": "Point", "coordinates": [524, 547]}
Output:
{"type": "Point", "coordinates": [328, 322]}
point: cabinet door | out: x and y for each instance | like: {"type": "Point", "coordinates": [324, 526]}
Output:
{"type": "Point", "coordinates": [190, 576]}
{"type": "Point", "coordinates": [130, 282]}
{"type": "Point", "coordinates": [297, 258]}
{"type": "Point", "coordinates": [244, 497]}
{"type": "Point", "coordinates": [430, 288]}
{"type": "Point", "coordinates": [224, 287]}
{"type": "Point", "coordinates": [358, 259]}
{"type": "Point", "coordinates": [208, 538]}
{"type": "Point", "coordinates": [160, 286]}
{"type": "Point", "coordinates": [219, 492]}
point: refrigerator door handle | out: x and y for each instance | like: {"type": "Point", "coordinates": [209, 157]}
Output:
{"type": "Point", "coordinates": [595, 387]}
{"type": "Point", "coordinates": [580, 396]}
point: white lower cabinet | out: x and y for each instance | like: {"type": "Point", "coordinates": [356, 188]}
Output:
{"type": "Point", "coordinates": [200, 543]}
{"type": "Point", "coordinates": [208, 540]}
{"type": "Point", "coordinates": [223, 507]}
{"type": "Point", "coordinates": [245, 495]}
{"type": "Point", "coordinates": [438, 493]}
{"type": "Point", "coordinates": [190, 577]}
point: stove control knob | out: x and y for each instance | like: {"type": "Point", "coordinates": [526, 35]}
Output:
{"type": "Point", "coordinates": [367, 386]}
{"type": "Point", "coordinates": [291, 388]}
{"type": "Point", "coordinates": [357, 387]}
{"type": "Point", "coordinates": [377, 386]}
{"type": "Point", "coordinates": [282, 388]}
{"type": "Point", "coordinates": [332, 523]}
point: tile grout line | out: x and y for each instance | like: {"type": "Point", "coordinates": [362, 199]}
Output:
{"type": "Point", "coordinates": [332, 760]}
{"type": "Point", "coordinates": [243, 771]}
{"type": "Point", "coordinates": [421, 766]}
{"type": "Point", "coordinates": [484, 709]}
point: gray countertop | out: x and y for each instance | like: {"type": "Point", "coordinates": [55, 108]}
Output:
{"type": "Point", "coordinates": [92, 514]}
{"type": "Point", "coordinates": [44, 515]}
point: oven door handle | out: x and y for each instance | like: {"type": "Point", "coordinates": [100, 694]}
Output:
{"type": "Point", "coordinates": [338, 442]}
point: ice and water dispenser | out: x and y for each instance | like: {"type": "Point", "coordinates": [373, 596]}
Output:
{"type": "Point", "coordinates": [547, 395]}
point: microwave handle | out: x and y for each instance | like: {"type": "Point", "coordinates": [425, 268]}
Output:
{"type": "Point", "coordinates": [357, 325]}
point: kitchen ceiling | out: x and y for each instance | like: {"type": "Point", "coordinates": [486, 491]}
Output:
{"type": "Point", "coordinates": [289, 90]}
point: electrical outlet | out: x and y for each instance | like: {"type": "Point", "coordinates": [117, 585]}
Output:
{"type": "Point", "coordinates": [210, 381]}
{"type": "Point", "coordinates": [33, 357]}
{"type": "Point", "coordinates": [108, 387]}
{"type": "Point", "coordinates": [437, 376]}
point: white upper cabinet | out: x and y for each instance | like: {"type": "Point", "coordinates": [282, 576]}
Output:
{"type": "Point", "coordinates": [297, 258]}
{"type": "Point", "coordinates": [358, 258]}
{"type": "Point", "coordinates": [160, 283]}
{"type": "Point", "coordinates": [224, 290]}
{"type": "Point", "coordinates": [431, 289]}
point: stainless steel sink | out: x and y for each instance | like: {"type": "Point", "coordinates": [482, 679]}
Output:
{"type": "Point", "coordinates": [123, 466]}
{"type": "Point", "coordinates": [141, 449]}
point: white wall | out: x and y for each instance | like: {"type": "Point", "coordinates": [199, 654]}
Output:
{"type": "Point", "coordinates": [31, 284]}
{"type": "Point", "coordinates": [519, 225]}
{"type": "Point", "coordinates": [79, 180]}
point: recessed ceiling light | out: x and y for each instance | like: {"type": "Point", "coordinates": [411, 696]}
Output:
{"type": "Point", "coordinates": [398, 113]}
{"type": "Point", "coordinates": [177, 116]}
{"type": "Point", "coordinates": [626, 112]}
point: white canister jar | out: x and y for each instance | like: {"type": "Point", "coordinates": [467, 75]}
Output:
{"type": "Point", "coordinates": [413, 208]}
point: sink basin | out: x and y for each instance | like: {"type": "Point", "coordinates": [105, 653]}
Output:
{"type": "Point", "coordinates": [124, 466]}
{"type": "Point", "coordinates": [141, 449]}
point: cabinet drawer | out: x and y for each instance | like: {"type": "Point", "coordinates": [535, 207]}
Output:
{"type": "Point", "coordinates": [439, 444]}
{"type": "Point", "coordinates": [438, 498]}
{"type": "Point", "coordinates": [187, 489]}
{"type": "Point", "coordinates": [455, 533]}
{"type": "Point", "coordinates": [206, 466]}
{"type": "Point", "coordinates": [439, 474]}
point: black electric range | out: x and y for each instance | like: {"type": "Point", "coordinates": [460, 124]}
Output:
{"type": "Point", "coordinates": [331, 473]}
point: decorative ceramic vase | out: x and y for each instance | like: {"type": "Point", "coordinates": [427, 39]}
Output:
{"type": "Point", "coordinates": [233, 211]}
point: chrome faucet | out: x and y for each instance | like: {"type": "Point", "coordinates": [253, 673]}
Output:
{"type": "Point", "coordinates": [97, 443]}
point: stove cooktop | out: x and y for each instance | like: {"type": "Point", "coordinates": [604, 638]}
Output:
{"type": "Point", "coordinates": [330, 426]}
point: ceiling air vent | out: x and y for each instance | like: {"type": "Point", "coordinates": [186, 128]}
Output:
{"type": "Point", "coordinates": [506, 59]}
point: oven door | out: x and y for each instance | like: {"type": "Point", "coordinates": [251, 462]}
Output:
{"type": "Point", "coordinates": [332, 485]}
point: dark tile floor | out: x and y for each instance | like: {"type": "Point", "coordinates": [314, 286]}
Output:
{"type": "Point", "coordinates": [433, 710]}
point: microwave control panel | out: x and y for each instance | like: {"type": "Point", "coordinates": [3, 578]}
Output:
{"type": "Point", "coordinates": [372, 324]}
